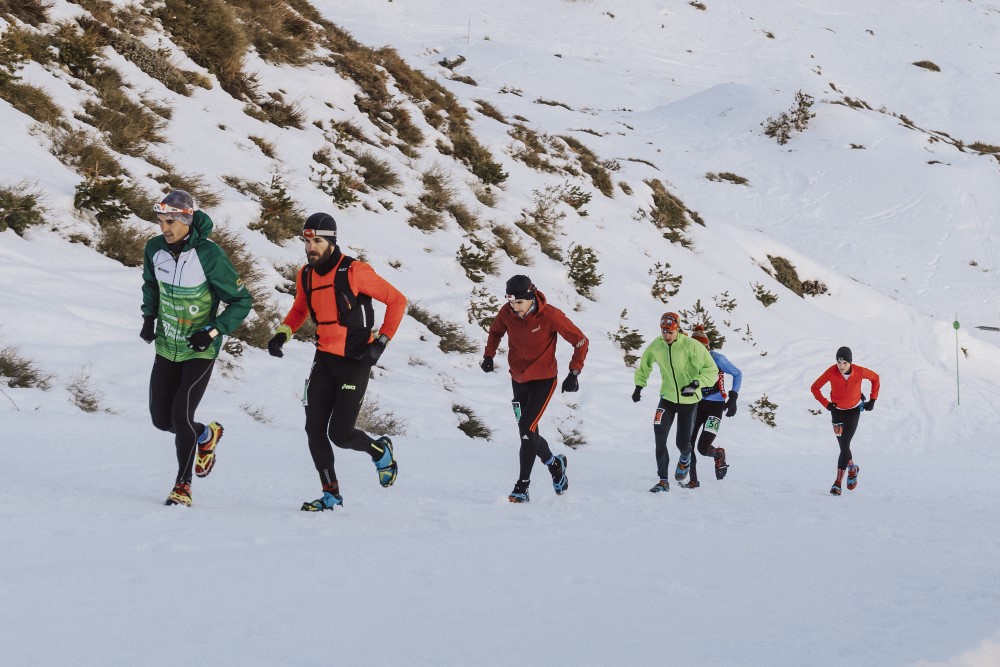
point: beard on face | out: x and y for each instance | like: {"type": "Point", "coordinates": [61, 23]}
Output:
{"type": "Point", "coordinates": [315, 258]}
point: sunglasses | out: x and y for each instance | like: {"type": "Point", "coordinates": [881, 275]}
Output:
{"type": "Point", "coordinates": [167, 208]}
{"type": "Point", "coordinates": [669, 324]}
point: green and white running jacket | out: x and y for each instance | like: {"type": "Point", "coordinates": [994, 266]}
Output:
{"type": "Point", "coordinates": [183, 292]}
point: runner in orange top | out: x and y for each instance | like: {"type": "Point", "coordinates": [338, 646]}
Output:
{"type": "Point", "coordinates": [845, 404]}
{"type": "Point", "coordinates": [337, 291]}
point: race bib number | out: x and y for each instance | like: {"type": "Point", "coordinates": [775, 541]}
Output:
{"type": "Point", "coordinates": [712, 425]}
{"type": "Point", "coordinates": [517, 410]}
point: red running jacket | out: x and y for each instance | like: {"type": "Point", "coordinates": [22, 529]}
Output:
{"type": "Point", "coordinates": [532, 340]}
{"type": "Point", "coordinates": [845, 394]}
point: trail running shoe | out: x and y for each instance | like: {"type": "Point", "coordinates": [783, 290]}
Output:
{"type": "Point", "coordinates": [327, 502]}
{"type": "Point", "coordinates": [852, 477]}
{"type": "Point", "coordinates": [661, 487]}
{"type": "Point", "coordinates": [721, 467]}
{"type": "Point", "coordinates": [385, 466]}
{"type": "Point", "coordinates": [691, 484]}
{"type": "Point", "coordinates": [181, 495]}
{"type": "Point", "coordinates": [558, 471]}
{"type": "Point", "coordinates": [835, 490]}
{"type": "Point", "coordinates": [682, 468]}
{"type": "Point", "coordinates": [520, 492]}
{"type": "Point", "coordinates": [205, 460]}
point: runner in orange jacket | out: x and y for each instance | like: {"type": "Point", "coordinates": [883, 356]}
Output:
{"type": "Point", "coordinates": [346, 351]}
{"type": "Point", "coordinates": [845, 404]}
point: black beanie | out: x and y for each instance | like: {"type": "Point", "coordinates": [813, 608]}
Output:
{"type": "Point", "coordinates": [520, 287]}
{"type": "Point", "coordinates": [845, 354]}
{"type": "Point", "coordinates": [320, 224]}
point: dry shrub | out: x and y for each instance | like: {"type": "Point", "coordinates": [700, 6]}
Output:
{"type": "Point", "coordinates": [280, 34]}
{"type": "Point", "coordinates": [508, 242]}
{"type": "Point", "coordinates": [374, 419]}
{"type": "Point", "coordinates": [470, 424]}
{"type": "Point", "coordinates": [20, 207]}
{"type": "Point", "coordinates": [258, 328]}
{"type": "Point", "coordinates": [32, 101]}
{"type": "Point", "coordinates": [453, 339]}
{"type": "Point", "coordinates": [377, 174]}
{"type": "Point", "coordinates": [32, 12]}
{"type": "Point", "coordinates": [128, 126]}
{"type": "Point", "coordinates": [22, 373]}
{"type": "Point", "coordinates": [123, 242]}
{"type": "Point", "coordinates": [591, 166]}
{"type": "Point", "coordinates": [211, 34]}
{"type": "Point", "coordinates": [670, 215]}
{"type": "Point", "coordinates": [280, 217]}
{"type": "Point", "coordinates": [785, 273]}
{"type": "Point", "coordinates": [204, 196]}
{"type": "Point", "coordinates": [114, 26]}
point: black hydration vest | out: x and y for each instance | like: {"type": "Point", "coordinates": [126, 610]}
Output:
{"type": "Point", "coordinates": [354, 311]}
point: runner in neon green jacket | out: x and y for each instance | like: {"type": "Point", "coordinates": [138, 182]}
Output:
{"type": "Point", "coordinates": [685, 365]}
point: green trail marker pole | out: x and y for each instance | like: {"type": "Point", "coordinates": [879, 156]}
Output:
{"type": "Point", "coordinates": [958, 391]}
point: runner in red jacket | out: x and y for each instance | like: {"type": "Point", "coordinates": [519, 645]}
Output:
{"type": "Point", "coordinates": [845, 404]}
{"type": "Point", "coordinates": [531, 326]}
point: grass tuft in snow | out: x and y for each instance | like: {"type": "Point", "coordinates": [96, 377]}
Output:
{"type": "Point", "coordinates": [373, 419]}
{"type": "Point", "coordinates": [785, 273]}
{"type": "Point", "coordinates": [452, 338]}
{"type": "Point", "coordinates": [471, 425]}
{"type": "Point", "coordinates": [20, 372]}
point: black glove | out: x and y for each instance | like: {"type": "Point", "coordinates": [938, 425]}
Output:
{"type": "Point", "coordinates": [148, 332]}
{"type": "Point", "coordinates": [831, 406]}
{"type": "Point", "coordinates": [731, 403]}
{"type": "Point", "coordinates": [689, 389]}
{"type": "Point", "coordinates": [200, 340]}
{"type": "Point", "coordinates": [274, 345]}
{"type": "Point", "coordinates": [571, 384]}
{"type": "Point", "coordinates": [635, 394]}
{"type": "Point", "coordinates": [374, 350]}
{"type": "Point", "coordinates": [870, 405]}
{"type": "Point", "coordinates": [487, 364]}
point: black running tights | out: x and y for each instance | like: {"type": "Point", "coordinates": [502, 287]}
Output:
{"type": "Point", "coordinates": [529, 403]}
{"type": "Point", "coordinates": [845, 424]}
{"type": "Point", "coordinates": [175, 390]}
{"type": "Point", "coordinates": [708, 419]}
{"type": "Point", "coordinates": [333, 395]}
{"type": "Point", "coordinates": [662, 421]}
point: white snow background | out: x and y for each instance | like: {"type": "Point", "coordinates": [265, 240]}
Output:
{"type": "Point", "coordinates": [763, 568]}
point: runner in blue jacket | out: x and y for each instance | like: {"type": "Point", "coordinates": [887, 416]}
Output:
{"type": "Point", "coordinates": [714, 400]}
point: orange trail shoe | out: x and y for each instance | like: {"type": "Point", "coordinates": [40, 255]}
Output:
{"type": "Point", "coordinates": [205, 460]}
{"type": "Point", "coordinates": [181, 495]}
{"type": "Point", "coordinates": [721, 467]}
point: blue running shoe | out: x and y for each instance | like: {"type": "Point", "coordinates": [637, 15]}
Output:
{"type": "Point", "coordinates": [661, 487]}
{"type": "Point", "coordinates": [852, 476]}
{"type": "Point", "coordinates": [386, 465]}
{"type": "Point", "coordinates": [327, 502]}
{"type": "Point", "coordinates": [682, 468]}
{"type": "Point", "coordinates": [520, 492]}
{"type": "Point", "coordinates": [558, 471]}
